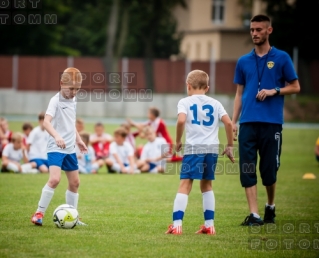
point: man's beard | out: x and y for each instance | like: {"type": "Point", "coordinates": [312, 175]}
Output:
{"type": "Point", "coordinates": [261, 42]}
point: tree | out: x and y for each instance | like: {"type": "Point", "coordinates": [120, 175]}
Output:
{"type": "Point", "coordinates": [295, 25]}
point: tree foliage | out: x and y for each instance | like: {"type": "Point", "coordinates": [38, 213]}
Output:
{"type": "Point", "coordinates": [295, 25]}
{"type": "Point", "coordinates": [82, 29]}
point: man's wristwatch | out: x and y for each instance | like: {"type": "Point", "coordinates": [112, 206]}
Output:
{"type": "Point", "coordinates": [277, 90]}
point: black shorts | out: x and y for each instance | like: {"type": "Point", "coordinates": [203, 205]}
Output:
{"type": "Point", "coordinates": [266, 139]}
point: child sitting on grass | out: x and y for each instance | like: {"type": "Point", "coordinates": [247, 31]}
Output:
{"type": "Point", "coordinates": [86, 161]}
{"type": "Point", "coordinates": [26, 128]}
{"type": "Point", "coordinates": [153, 157]}
{"type": "Point", "coordinates": [13, 153]}
{"type": "Point", "coordinates": [100, 141]}
{"type": "Point", "coordinates": [121, 158]}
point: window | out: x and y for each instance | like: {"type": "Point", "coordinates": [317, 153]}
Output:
{"type": "Point", "coordinates": [218, 11]}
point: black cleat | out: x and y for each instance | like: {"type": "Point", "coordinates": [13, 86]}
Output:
{"type": "Point", "coordinates": [270, 215]}
{"type": "Point", "coordinates": [252, 221]}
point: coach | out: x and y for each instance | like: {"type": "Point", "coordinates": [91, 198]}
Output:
{"type": "Point", "coordinates": [263, 77]}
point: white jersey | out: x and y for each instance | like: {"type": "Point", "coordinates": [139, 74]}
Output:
{"type": "Point", "coordinates": [11, 153]}
{"type": "Point", "coordinates": [63, 112]}
{"type": "Point", "coordinates": [154, 149]}
{"type": "Point", "coordinates": [203, 114]}
{"type": "Point", "coordinates": [38, 140]}
{"type": "Point", "coordinates": [123, 151]}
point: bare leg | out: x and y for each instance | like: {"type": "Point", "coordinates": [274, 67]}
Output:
{"type": "Point", "coordinates": [251, 195]}
{"type": "Point", "coordinates": [271, 189]}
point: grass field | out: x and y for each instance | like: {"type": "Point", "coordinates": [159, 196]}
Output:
{"type": "Point", "coordinates": [128, 214]}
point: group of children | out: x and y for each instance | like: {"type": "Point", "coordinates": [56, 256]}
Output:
{"type": "Point", "coordinates": [24, 153]}
{"type": "Point", "coordinates": [118, 152]}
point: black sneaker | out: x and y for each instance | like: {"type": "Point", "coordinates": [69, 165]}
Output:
{"type": "Point", "coordinates": [270, 215]}
{"type": "Point", "coordinates": [252, 221]}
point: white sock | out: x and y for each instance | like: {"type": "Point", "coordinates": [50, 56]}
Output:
{"type": "Point", "coordinates": [72, 198]}
{"type": "Point", "coordinates": [179, 208]}
{"type": "Point", "coordinates": [26, 168]}
{"type": "Point", "coordinates": [256, 215]}
{"type": "Point", "coordinates": [45, 199]}
{"type": "Point", "coordinates": [13, 167]}
{"type": "Point", "coordinates": [209, 208]}
{"type": "Point", "coordinates": [271, 206]}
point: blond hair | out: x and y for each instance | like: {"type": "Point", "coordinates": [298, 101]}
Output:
{"type": "Point", "coordinates": [16, 137]}
{"type": "Point", "coordinates": [198, 79]}
{"type": "Point", "coordinates": [71, 76]}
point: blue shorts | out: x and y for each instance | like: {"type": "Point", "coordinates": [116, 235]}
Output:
{"type": "Point", "coordinates": [199, 166]}
{"type": "Point", "coordinates": [40, 162]}
{"type": "Point", "coordinates": [67, 162]}
{"type": "Point", "coordinates": [264, 139]}
{"type": "Point", "coordinates": [152, 165]}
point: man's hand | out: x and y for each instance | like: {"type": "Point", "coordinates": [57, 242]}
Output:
{"type": "Point", "coordinates": [235, 131]}
{"type": "Point", "coordinates": [265, 93]}
{"type": "Point", "coordinates": [59, 141]}
{"type": "Point", "coordinates": [229, 152]}
{"type": "Point", "coordinates": [82, 147]}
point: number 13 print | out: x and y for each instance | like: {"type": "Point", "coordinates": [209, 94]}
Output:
{"type": "Point", "coordinates": [209, 114]}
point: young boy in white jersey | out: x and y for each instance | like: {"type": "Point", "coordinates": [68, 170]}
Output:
{"type": "Point", "coordinates": [59, 122]}
{"type": "Point", "coordinates": [121, 158]}
{"type": "Point", "coordinates": [13, 153]}
{"type": "Point", "coordinates": [199, 115]}
{"type": "Point", "coordinates": [153, 157]}
{"type": "Point", "coordinates": [37, 146]}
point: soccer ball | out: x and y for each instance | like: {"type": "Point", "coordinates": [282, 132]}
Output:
{"type": "Point", "coordinates": [65, 216]}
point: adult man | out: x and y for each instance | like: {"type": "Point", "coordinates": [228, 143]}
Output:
{"type": "Point", "coordinates": [262, 76]}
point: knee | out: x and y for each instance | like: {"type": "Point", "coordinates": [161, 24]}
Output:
{"type": "Point", "coordinates": [54, 182]}
{"type": "Point", "coordinates": [74, 184]}
{"type": "Point", "coordinates": [44, 169]}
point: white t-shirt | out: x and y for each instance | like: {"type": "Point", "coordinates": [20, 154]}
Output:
{"type": "Point", "coordinates": [85, 159]}
{"type": "Point", "coordinates": [123, 151]}
{"type": "Point", "coordinates": [154, 149]}
{"type": "Point", "coordinates": [38, 139]}
{"type": "Point", "coordinates": [11, 153]}
{"type": "Point", "coordinates": [203, 114]}
{"type": "Point", "coordinates": [63, 112]}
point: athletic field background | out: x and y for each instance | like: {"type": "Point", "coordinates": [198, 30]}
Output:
{"type": "Point", "coordinates": [127, 215]}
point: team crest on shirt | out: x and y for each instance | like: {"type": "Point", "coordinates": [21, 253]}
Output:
{"type": "Point", "coordinates": [270, 64]}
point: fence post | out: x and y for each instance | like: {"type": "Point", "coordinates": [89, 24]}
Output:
{"type": "Point", "coordinates": [15, 72]}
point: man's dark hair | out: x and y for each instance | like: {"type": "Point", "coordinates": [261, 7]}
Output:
{"type": "Point", "coordinates": [260, 18]}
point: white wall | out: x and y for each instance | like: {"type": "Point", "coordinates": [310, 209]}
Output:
{"type": "Point", "coordinates": [32, 102]}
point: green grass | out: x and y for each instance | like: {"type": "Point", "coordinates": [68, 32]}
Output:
{"type": "Point", "coordinates": [128, 214]}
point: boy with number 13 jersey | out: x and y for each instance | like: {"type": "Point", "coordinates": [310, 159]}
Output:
{"type": "Point", "coordinates": [199, 115]}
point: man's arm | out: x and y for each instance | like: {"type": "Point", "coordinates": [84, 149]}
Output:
{"type": "Point", "coordinates": [180, 125]}
{"type": "Point", "coordinates": [292, 87]}
{"type": "Point", "coordinates": [237, 109]}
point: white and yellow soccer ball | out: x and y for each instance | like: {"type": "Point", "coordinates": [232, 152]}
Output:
{"type": "Point", "coordinates": [65, 216]}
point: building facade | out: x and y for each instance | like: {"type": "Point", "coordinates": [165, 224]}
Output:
{"type": "Point", "coordinates": [216, 29]}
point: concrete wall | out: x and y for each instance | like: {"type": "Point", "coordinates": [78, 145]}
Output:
{"type": "Point", "coordinates": [31, 103]}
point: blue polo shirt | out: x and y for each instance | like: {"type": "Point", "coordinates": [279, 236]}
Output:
{"type": "Point", "coordinates": [278, 69]}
